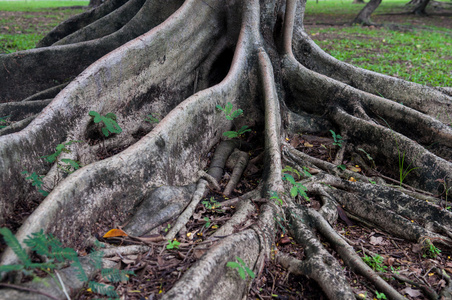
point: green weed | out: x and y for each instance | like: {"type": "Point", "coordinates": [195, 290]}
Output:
{"type": "Point", "coordinates": [172, 245]}
{"type": "Point", "coordinates": [375, 262]}
{"type": "Point", "coordinates": [431, 251]}
{"type": "Point", "coordinates": [151, 119]}
{"type": "Point", "coordinates": [274, 195]}
{"type": "Point", "coordinates": [109, 121]}
{"type": "Point", "coordinates": [241, 268]}
{"type": "Point", "coordinates": [36, 180]}
{"type": "Point", "coordinates": [234, 134]}
{"type": "Point", "coordinates": [229, 113]}
{"type": "Point", "coordinates": [3, 122]}
{"type": "Point", "coordinates": [380, 295]}
{"type": "Point", "coordinates": [46, 245]}
{"type": "Point", "coordinates": [337, 139]}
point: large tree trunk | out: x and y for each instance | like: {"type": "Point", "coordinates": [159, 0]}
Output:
{"type": "Point", "coordinates": [363, 16]}
{"type": "Point", "coordinates": [179, 61]}
{"type": "Point", "coordinates": [418, 6]}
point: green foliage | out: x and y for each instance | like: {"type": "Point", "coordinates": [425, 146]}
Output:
{"type": "Point", "coordinates": [241, 268]}
{"type": "Point", "coordinates": [230, 115]}
{"type": "Point", "coordinates": [109, 121]}
{"type": "Point", "coordinates": [207, 225]}
{"type": "Point", "coordinates": [342, 167]}
{"type": "Point", "coordinates": [292, 170]}
{"type": "Point", "coordinates": [211, 203]}
{"type": "Point", "coordinates": [403, 171]}
{"type": "Point", "coordinates": [431, 251]}
{"type": "Point", "coordinates": [274, 195]}
{"type": "Point", "coordinates": [70, 165]}
{"type": "Point", "coordinates": [58, 150]}
{"type": "Point", "coordinates": [36, 180]}
{"type": "Point", "coordinates": [172, 245]}
{"type": "Point", "coordinates": [233, 134]}
{"type": "Point", "coordinates": [375, 262]}
{"type": "Point", "coordinates": [337, 139]}
{"type": "Point", "coordinates": [3, 122]}
{"type": "Point", "coordinates": [48, 246]}
{"type": "Point", "coordinates": [151, 119]}
{"type": "Point", "coordinates": [380, 295]}
{"type": "Point", "coordinates": [297, 188]}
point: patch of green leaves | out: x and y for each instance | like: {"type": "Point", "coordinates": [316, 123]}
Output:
{"type": "Point", "coordinates": [337, 139]}
{"type": "Point", "coordinates": [207, 225]}
{"type": "Point", "coordinates": [56, 255]}
{"type": "Point", "coordinates": [241, 267]}
{"type": "Point", "coordinates": [36, 180]}
{"type": "Point", "coordinates": [234, 134]}
{"type": "Point", "coordinates": [380, 295]}
{"type": "Point", "coordinates": [211, 204]}
{"type": "Point", "coordinates": [274, 195]}
{"type": "Point", "coordinates": [375, 262]}
{"type": "Point", "coordinates": [229, 113]}
{"type": "Point", "coordinates": [297, 188]}
{"type": "Point", "coordinates": [431, 251]}
{"type": "Point", "coordinates": [60, 148]}
{"type": "Point", "coordinates": [172, 245]}
{"type": "Point", "coordinates": [109, 121]}
{"type": "Point", "coordinates": [151, 119]}
{"type": "Point", "coordinates": [342, 167]}
{"type": "Point", "coordinates": [3, 122]}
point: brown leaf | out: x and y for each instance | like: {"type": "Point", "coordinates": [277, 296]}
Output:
{"type": "Point", "coordinates": [296, 140]}
{"type": "Point", "coordinates": [376, 240]}
{"type": "Point", "coordinates": [354, 168]}
{"type": "Point", "coordinates": [114, 233]}
{"type": "Point", "coordinates": [151, 239]}
{"type": "Point", "coordinates": [284, 240]}
{"type": "Point", "coordinates": [343, 216]}
{"type": "Point", "coordinates": [412, 292]}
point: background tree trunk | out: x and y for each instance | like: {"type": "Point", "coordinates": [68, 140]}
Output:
{"type": "Point", "coordinates": [363, 16]}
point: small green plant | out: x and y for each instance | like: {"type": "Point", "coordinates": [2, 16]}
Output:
{"type": "Point", "coordinates": [274, 195]}
{"type": "Point", "coordinates": [241, 268]}
{"type": "Point", "coordinates": [368, 157]}
{"type": "Point", "coordinates": [151, 119]}
{"type": "Point", "coordinates": [297, 188]}
{"type": "Point", "coordinates": [292, 170]}
{"type": "Point", "coordinates": [380, 295]}
{"type": "Point", "coordinates": [109, 121]}
{"type": "Point", "coordinates": [375, 262]}
{"type": "Point", "coordinates": [211, 203]}
{"type": "Point", "coordinates": [207, 225]}
{"type": "Point", "coordinates": [234, 134]}
{"type": "Point", "coordinates": [446, 190]}
{"type": "Point", "coordinates": [431, 250]}
{"type": "Point", "coordinates": [167, 228]}
{"type": "Point", "coordinates": [230, 115]}
{"type": "Point", "coordinates": [342, 167]}
{"type": "Point", "coordinates": [46, 245]}
{"type": "Point", "coordinates": [69, 165]}
{"type": "Point", "coordinates": [172, 245]}
{"type": "Point", "coordinates": [306, 172]}
{"type": "Point", "coordinates": [36, 180]}
{"type": "Point", "coordinates": [3, 122]}
{"type": "Point", "coordinates": [403, 172]}
{"type": "Point", "coordinates": [337, 139]}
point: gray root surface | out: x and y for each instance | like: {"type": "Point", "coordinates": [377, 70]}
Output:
{"type": "Point", "coordinates": [177, 61]}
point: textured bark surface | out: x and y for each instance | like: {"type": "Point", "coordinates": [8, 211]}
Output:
{"type": "Point", "coordinates": [178, 61]}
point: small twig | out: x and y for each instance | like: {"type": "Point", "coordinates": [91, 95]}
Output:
{"type": "Point", "coordinates": [62, 285]}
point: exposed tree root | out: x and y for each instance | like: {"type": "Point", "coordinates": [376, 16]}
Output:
{"type": "Point", "coordinates": [283, 82]}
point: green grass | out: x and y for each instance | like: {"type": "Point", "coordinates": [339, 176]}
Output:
{"type": "Point", "coordinates": [26, 22]}
{"type": "Point", "coordinates": [37, 5]}
{"type": "Point", "coordinates": [421, 56]}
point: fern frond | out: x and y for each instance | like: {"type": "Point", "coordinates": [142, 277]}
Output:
{"type": "Point", "coordinates": [96, 259]}
{"type": "Point", "coordinates": [14, 244]}
{"type": "Point", "coordinates": [115, 275]}
{"type": "Point", "coordinates": [81, 275]}
{"type": "Point", "coordinates": [102, 289]}
{"type": "Point", "coordinates": [8, 268]}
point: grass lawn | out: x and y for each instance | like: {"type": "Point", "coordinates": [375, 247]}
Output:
{"type": "Point", "coordinates": [24, 23]}
{"type": "Point", "coordinates": [419, 51]}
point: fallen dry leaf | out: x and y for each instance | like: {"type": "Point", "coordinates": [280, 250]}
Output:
{"type": "Point", "coordinates": [376, 240]}
{"type": "Point", "coordinates": [411, 292]}
{"type": "Point", "coordinates": [114, 233]}
{"type": "Point", "coordinates": [306, 144]}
